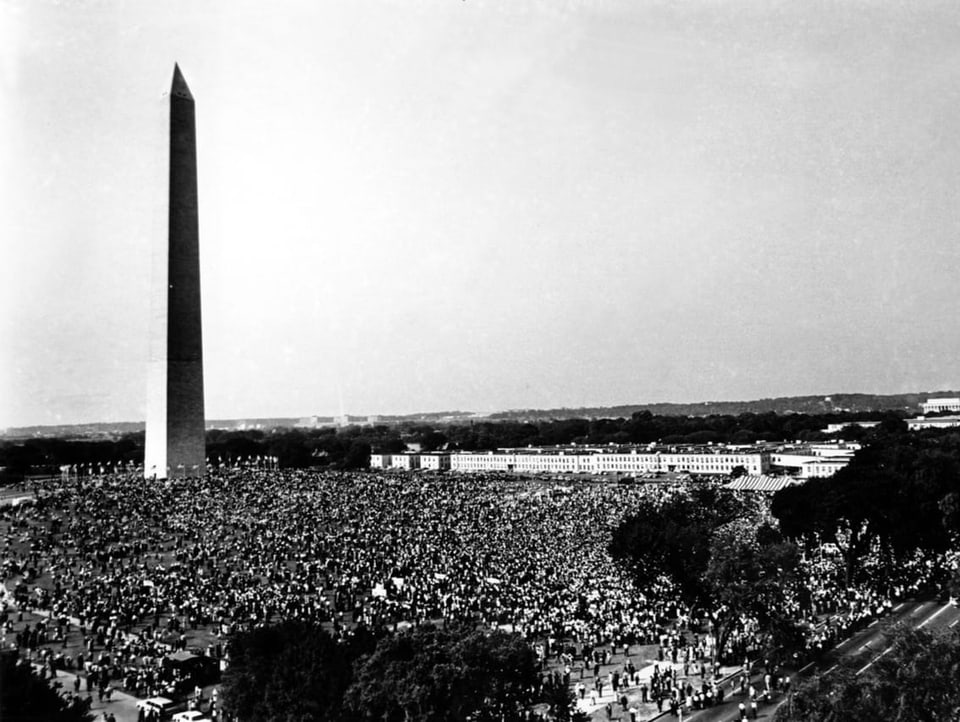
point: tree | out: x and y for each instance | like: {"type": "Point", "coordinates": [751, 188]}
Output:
{"type": "Point", "coordinates": [672, 537]}
{"type": "Point", "coordinates": [915, 680]}
{"type": "Point", "coordinates": [296, 671]}
{"type": "Point", "coordinates": [432, 440]}
{"type": "Point", "coordinates": [750, 568]}
{"type": "Point", "coordinates": [25, 697]}
{"type": "Point", "coordinates": [292, 671]}
{"type": "Point", "coordinates": [358, 455]}
{"type": "Point", "coordinates": [722, 549]}
{"type": "Point", "coordinates": [445, 674]}
{"type": "Point", "coordinates": [898, 495]}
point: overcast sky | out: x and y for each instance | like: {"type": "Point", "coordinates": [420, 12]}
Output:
{"type": "Point", "coordinates": [481, 205]}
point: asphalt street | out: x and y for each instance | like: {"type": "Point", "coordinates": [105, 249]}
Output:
{"type": "Point", "coordinates": [866, 646]}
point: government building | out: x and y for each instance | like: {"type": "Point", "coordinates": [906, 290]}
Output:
{"type": "Point", "coordinates": [803, 461]}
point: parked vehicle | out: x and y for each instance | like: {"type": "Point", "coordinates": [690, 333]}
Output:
{"type": "Point", "coordinates": [190, 716]}
{"type": "Point", "coordinates": [160, 704]}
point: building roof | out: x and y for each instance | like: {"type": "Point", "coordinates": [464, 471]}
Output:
{"type": "Point", "coordinates": [761, 483]}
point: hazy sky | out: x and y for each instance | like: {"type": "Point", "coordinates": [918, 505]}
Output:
{"type": "Point", "coordinates": [485, 205]}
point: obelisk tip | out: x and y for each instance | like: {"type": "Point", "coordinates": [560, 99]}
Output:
{"type": "Point", "coordinates": [179, 86]}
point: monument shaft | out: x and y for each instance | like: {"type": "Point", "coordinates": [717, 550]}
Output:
{"type": "Point", "coordinates": [175, 444]}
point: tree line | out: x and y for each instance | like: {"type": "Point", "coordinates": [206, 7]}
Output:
{"type": "Point", "coordinates": [350, 447]}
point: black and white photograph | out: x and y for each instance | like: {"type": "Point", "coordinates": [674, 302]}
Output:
{"type": "Point", "coordinates": [480, 361]}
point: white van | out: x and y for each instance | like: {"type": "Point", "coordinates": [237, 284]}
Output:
{"type": "Point", "coordinates": [161, 704]}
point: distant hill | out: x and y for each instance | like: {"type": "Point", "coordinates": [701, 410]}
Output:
{"type": "Point", "coordinates": [855, 403]}
{"type": "Point", "coordinates": [114, 429]}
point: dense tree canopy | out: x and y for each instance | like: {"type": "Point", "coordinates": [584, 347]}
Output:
{"type": "Point", "coordinates": [673, 538]}
{"type": "Point", "coordinates": [718, 547]}
{"type": "Point", "coordinates": [295, 671]}
{"type": "Point", "coordinates": [749, 570]}
{"type": "Point", "coordinates": [25, 697]}
{"type": "Point", "coordinates": [440, 674]}
{"type": "Point", "coordinates": [898, 495]}
{"type": "Point", "coordinates": [915, 681]}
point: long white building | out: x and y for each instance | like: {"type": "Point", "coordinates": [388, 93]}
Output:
{"type": "Point", "coordinates": [802, 461]}
{"type": "Point", "coordinates": [617, 462]}
{"type": "Point", "coordinates": [699, 460]}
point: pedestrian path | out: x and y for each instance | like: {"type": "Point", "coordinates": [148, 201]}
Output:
{"type": "Point", "coordinates": [645, 658]}
{"type": "Point", "coordinates": [121, 705]}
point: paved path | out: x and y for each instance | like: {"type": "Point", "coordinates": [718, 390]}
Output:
{"type": "Point", "coordinates": [644, 657]}
{"type": "Point", "coordinates": [123, 706]}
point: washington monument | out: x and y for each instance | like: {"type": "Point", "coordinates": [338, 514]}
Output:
{"type": "Point", "coordinates": [175, 421]}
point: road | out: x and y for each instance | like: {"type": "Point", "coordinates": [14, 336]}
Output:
{"type": "Point", "coordinates": [867, 644]}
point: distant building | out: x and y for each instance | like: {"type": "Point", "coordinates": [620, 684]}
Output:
{"type": "Point", "coordinates": [481, 461]}
{"type": "Point", "coordinates": [835, 428]}
{"type": "Point", "coordinates": [801, 461]}
{"type": "Point", "coordinates": [405, 461]}
{"type": "Point", "coordinates": [807, 461]}
{"type": "Point", "coordinates": [315, 422]}
{"type": "Point", "coordinates": [822, 468]}
{"type": "Point", "coordinates": [938, 406]}
{"type": "Point", "coordinates": [937, 422]}
{"type": "Point", "coordinates": [380, 461]}
{"type": "Point", "coordinates": [533, 461]}
{"type": "Point", "coordinates": [435, 461]}
{"type": "Point", "coordinates": [699, 460]}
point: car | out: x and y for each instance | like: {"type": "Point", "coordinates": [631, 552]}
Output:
{"type": "Point", "coordinates": [162, 705]}
{"type": "Point", "coordinates": [190, 716]}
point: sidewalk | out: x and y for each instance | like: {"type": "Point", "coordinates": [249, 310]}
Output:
{"type": "Point", "coordinates": [123, 706]}
{"type": "Point", "coordinates": [645, 659]}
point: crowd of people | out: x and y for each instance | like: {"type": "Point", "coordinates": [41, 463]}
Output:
{"type": "Point", "coordinates": [241, 549]}
{"type": "Point", "coordinates": [142, 569]}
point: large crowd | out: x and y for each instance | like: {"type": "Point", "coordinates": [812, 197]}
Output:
{"type": "Point", "coordinates": [240, 549]}
{"type": "Point", "coordinates": [146, 568]}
